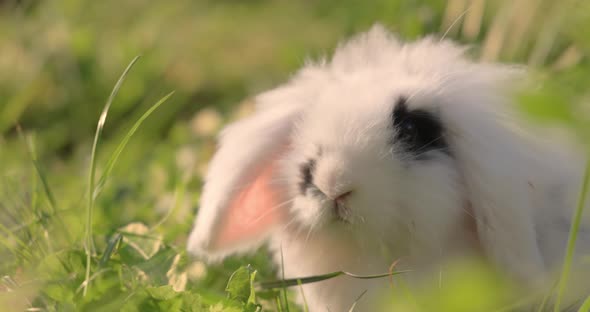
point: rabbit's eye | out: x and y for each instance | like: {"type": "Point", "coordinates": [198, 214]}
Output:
{"type": "Point", "coordinates": [419, 131]}
{"type": "Point", "coordinates": [408, 130]}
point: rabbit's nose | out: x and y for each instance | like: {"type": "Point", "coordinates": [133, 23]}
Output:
{"type": "Point", "coordinates": [339, 195]}
{"type": "Point", "coordinates": [340, 199]}
{"type": "Point", "coordinates": [332, 177]}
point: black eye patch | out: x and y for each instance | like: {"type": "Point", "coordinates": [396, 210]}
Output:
{"type": "Point", "coordinates": [418, 130]}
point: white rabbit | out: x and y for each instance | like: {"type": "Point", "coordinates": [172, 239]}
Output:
{"type": "Point", "coordinates": [387, 151]}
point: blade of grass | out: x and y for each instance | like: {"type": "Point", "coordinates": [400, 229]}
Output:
{"type": "Point", "coordinates": [33, 156]}
{"type": "Point", "coordinates": [278, 302]}
{"type": "Point", "coordinates": [585, 307]}
{"type": "Point", "coordinates": [52, 203]}
{"type": "Point", "coordinates": [22, 249]}
{"type": "Point", "coordinates": [318, 278]}
{"type": "Point", "coordinates": [546, 297]}
{"type": "Point", "coordinates": [284, 288]}
{"type": "Point", "coordinates": [94, 276]}
{"type": "Point", "coordinates": [519, 304]}
{"type": "Point", "coordinates": [125, 233]}
{"type": "Point", "coordinates": [115, 156]}
{"type": "Point", "coordinates": [305, 307]}
{"type": "Point", "coordinates": [34, 184]}
{"type": "Point", "coordinates": [571, 242]}
{"type": "Point", "coordinates": [89, 243]}
{"type": "Point", "coordinates": [356, 301]}
{"type": "Point", "coordinates": [111, 246]}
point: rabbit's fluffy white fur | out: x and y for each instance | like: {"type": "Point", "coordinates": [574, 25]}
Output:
{"type": "Point", "coordinates": [479, 187]}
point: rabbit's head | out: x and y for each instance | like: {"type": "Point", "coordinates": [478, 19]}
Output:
{"type": "Point", "coordinates": [387, 140]}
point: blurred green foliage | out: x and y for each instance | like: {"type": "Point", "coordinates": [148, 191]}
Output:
{"type": "Point", "coordinates": [63, 56]}
{"type": "Point", "coordinates": [60, 59]}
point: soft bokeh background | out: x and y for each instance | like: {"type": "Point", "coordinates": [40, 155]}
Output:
{"type": "Point", "coordinates": [59, 61]}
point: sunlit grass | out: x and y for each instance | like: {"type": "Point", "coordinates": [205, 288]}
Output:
{"type": "Point", "coordinates": [571, 243]}
{"type": "Point", "coordinates": [89, 240]}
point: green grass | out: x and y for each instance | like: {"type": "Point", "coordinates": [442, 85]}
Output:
{"type": "Point", "coordinates": [89, 240]}
{"type": "Point", "coordinates": [95, 217]}
{"type": "Point", "coordinates": [571, 243]}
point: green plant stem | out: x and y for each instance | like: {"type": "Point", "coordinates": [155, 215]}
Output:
{"type": "Point", "coordinates": [318, 278]}
{"type": "Point", "coordinates": [585, 307]}
{"type": "Point", "coordinates": [571, 243]}
{"type": "Point", "coordinates": [89, 243]}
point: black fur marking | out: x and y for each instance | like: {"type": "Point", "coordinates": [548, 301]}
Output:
{"type": "Point", "coordinates": [306, 175]}
{"type": "Point", "coordinates": [419, 131]}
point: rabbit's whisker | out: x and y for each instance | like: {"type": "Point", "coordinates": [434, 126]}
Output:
{"type": "Point", "coordinates": [271, 210]}
{"type": "Point", "coordinates": [248, 184]}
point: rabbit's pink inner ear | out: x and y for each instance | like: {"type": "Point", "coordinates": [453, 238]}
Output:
{"type": "Point", "coordinates": [253, 213]}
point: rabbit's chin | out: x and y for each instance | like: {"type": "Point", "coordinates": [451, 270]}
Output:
{"type": "Point", "coordinates": [328, 248]}
{"type": "Point", "coordinates": [324, 244]}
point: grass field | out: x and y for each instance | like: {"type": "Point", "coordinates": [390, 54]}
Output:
{"type": "Point", "coordinates": [95, 208]}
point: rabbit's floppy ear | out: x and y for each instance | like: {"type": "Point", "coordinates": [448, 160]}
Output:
{"type": "Point", "coordinates": [242, 198]}
{"type": "Point", "coordinates": [497, 167]}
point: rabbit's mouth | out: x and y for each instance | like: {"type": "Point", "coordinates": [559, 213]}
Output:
{"type": "Point", "coordinates": [341, 211]}
{"type": "Point", "coordinates": [341, 208]}
{"type": "Point", "coordinates": [336, 209]}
